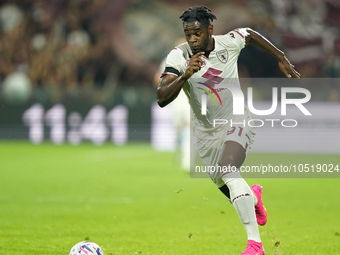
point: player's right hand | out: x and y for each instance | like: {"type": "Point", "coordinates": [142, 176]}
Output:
{"type": "Point", "coordinates": [194, 65]}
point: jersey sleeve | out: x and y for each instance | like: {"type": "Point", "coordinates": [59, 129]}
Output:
{"type": "Point", "coordinates": [173, 62]}
{"type": "Point", "coordinates": [236, 39]}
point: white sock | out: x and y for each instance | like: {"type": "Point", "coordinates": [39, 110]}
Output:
{"type": "Point", "coordinates": [243, 200]}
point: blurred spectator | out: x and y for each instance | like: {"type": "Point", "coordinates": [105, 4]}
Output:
{"type": "Point", "coordinates": [10, 17]}
{"type": "Point", "coordinates": [17, 88]}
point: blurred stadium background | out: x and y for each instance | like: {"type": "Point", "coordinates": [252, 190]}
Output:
{"type": "Point", "coordinates": [80, 72]}
{"type": "Point", "coordinates": [76, 70]}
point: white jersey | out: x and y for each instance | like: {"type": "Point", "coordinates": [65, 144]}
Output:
{"type": "Point", "coordinates": [219, 67]}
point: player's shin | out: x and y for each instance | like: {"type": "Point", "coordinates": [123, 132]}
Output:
{"type": "Point", "coordinates": [243, 200]}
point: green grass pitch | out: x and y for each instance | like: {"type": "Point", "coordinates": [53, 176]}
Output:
{"type": "Point", "coordinates": [133, 200]}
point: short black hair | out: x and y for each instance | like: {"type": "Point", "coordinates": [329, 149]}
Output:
{"type": "Point", "coordinates": [201, 14]}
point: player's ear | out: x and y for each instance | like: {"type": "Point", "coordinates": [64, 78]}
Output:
{"type": "Point", "coordinates": [211, 29]}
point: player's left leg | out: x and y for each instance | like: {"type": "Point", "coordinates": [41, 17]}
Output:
{"type": "Point", "coordinates": [241, 196]}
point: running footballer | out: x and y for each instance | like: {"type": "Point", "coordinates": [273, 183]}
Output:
{"type": "Point", "coordinates": [212, 59]}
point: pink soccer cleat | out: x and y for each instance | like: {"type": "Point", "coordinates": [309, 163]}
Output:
{"type": "Point", "coordinates": [253, 248]}
{"type": "Point", "coordinates": [260, 210]}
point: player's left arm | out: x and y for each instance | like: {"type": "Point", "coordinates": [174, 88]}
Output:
{"type": "Point", "coordinates": [256, 39]}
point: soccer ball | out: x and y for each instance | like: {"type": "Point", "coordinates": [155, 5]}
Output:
{"type": "Point", "coordinates": [86, 248]}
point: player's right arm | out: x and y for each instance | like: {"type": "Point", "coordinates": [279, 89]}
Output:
{"type": "Point", "coordinates": [170, 84]}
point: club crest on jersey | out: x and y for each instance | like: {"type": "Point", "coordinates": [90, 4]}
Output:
{"type": "Point", "coordinates": [222, 55]}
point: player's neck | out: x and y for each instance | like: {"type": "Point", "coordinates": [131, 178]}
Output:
{"type": "Point", "coordinates": [210, 47]}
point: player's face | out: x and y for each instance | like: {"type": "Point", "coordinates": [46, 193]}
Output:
{"type": "Point", "coordinates": [198, 36]}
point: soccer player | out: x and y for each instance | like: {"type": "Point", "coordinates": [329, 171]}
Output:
{"type": "Point", "coordinates": [208, 60]}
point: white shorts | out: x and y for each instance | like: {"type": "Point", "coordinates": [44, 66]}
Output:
{"type": "Point", "coordinates": [210, 150]}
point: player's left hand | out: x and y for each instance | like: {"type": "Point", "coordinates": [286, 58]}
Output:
{"type": "Point", "coordinates": [288, 69]}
